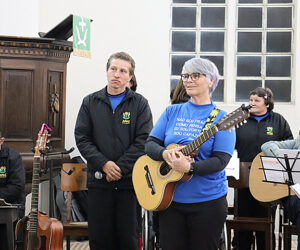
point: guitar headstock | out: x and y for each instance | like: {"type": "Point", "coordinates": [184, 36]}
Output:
{"type": "Point", "coordinates": [234, 118]}
{"type": "Point", "coordinates": [41, 142]}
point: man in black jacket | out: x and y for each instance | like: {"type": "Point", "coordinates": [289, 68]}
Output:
{"type": "Point", "coordinates": [12, 177]}
{"type": "Point", "coordinates": [12, 183]}
{"type": "Point", "coordinates": [111, 129]}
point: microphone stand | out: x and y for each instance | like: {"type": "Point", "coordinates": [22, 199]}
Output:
{"type": "Point", "coordinates": [46, 155]}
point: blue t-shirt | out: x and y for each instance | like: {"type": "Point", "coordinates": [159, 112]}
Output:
{"type": "Point", "coordinates": [181, 124]}
{"type": "Point", "coordinates": [115, 100]}
{"type": "Point", "coordinates": [259, 118]}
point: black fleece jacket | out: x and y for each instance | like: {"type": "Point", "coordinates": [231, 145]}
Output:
{"type": "Point", "coordinates": [103, 135]}
{"type": "Point", "coordinates": [12, 176]}
{"type": "Point", "coordinates": [253, 134]}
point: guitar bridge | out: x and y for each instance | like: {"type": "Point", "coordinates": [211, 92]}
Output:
{"type": "Point", "coordinates": [149, 180]}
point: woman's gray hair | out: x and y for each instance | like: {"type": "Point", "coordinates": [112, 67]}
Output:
{"type": "Point", "coordinates": [205, 67]}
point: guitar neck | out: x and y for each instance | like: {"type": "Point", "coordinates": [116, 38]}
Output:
{"type": "Point", "coordinates": [35, 194]}
{"type": "Point", "coordinates": [195, 144]}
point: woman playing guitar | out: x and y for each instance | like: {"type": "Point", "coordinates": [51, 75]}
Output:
{"type": "Point", "coordinates": [195, 217]}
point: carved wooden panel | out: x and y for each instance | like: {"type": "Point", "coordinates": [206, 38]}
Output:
{"type": "Point", "coordinates": [17, 97]}
{"type": "Point", "coordinates": [55, 90]}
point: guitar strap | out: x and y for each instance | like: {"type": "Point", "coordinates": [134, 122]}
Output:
{"type": "Point", "coordinates": [208, 124]}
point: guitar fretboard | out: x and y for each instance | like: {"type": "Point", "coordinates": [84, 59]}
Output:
{"type": "Point", "coordinates": [35, 194]}
{"type": "Point", "coordinates": [195, 144]}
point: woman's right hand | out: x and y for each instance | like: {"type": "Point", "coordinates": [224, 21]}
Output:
{"type": "Point", "coordinates": [168, 153]}
{"type": "Point", "coordinates": [178, 161]}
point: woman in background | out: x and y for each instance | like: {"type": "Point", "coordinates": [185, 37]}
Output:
{"type": "Point", "coordinates": [263, 125]}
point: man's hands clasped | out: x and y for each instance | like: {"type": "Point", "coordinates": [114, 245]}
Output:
{"type": "Point", "coordinates": [112, 171]}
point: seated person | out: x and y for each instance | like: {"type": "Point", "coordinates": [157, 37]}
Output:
{"type": "Point", "coordinates": [12, 177]}
{"type": "Point", "coordinates": [291, 204]}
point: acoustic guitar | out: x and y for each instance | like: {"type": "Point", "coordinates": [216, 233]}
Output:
{"type": "Point", "coordinates": [261, 190]}
{"type": "Point", "coordinates": [40, 231]}
{"type": "Point", "coordinates": [154, 182]}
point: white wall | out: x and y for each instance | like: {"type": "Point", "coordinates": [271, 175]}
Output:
{"type": "Point", "coordinates": [19, 18]}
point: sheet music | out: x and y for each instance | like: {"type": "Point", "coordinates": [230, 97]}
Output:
{"type": "Point", "coordinates": [273, 170]}
{"type": "Point", "coordinates": [294, 163]}
{"type": "Point", "coordinates": [233, 166]}
{"type": "Point", "coordinates": [292, 153]}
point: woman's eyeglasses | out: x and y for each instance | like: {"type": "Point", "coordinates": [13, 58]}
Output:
{"type": "Point", "coordinates": [194, 76]}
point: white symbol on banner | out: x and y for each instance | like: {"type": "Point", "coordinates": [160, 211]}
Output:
{"type": "Point", "coordinates": [81, 41]}
{"type": "Point", "coordinates": [82, 24]}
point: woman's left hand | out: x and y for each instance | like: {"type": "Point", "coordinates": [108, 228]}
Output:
{"type": "Point", "coordinates": [180, 162]}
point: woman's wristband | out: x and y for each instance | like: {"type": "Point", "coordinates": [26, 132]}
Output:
{"type": "Point", "coordinates": [192, 168]}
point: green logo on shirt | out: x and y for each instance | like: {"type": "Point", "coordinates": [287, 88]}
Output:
{"type": "Point", "coordinates": [269, 130]}
{"type": "Point", "coordinates": [126, 118]}
{"type": "Point", "coordinates": [2, 172]}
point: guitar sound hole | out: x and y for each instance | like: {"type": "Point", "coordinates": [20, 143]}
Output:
{"type": "Point", "coordinates": [164, 169]}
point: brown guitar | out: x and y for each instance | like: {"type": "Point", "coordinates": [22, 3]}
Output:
{"type": "Point", "coordinates": [154, 182]}
{"type": "Point", "coordinates": [41, 232]}
{"type": "Point", "coordinates": [265, 191]}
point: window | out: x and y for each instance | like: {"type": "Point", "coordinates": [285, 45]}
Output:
{"type": "Point", "coordinates": [198, 30]}
{"type": "Point", "coordinates": [257, 41]}
{"type": "Point", "coordinates": [264, 48]}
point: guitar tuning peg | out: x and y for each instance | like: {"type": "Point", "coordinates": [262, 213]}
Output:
{"type": "Point", "coordinates": [237, 125]}
{"type": "Point", "coordinates": [241, 123]}
{"type": "Point", "coordinates": [245, 121]}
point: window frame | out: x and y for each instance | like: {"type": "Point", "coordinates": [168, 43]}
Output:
{"type": "Point", "coordinates": [230, 53]}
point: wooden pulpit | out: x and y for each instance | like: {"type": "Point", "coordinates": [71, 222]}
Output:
{"type": "Point", "coordinates": [32, 92]}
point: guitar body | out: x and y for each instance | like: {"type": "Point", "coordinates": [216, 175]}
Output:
{"type": "Point", "coordinates": [49, 234]}
{"type": "Point", "coordinates": [265, 191]}
{"type": "Point", "coordinates": [164, 183]}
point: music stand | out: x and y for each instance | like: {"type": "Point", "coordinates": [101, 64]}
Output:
{"type": "Point", "coordinates": [284, 169]}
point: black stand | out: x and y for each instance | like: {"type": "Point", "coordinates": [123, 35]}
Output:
{"type": "Point", "coordinates": [286, 168]}
{"type": "Point", "coordinates": [46, 159]}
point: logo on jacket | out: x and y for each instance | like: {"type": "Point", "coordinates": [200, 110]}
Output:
{"type": "Point", "coordinates": [126, 118]}
{"type": "Point", "coordinates": [2, 172]}
{"type": "Point", "coordinates": [269, 130]}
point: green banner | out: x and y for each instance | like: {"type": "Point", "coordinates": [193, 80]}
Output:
{"type": "Point", "coordinates": [81, 36]}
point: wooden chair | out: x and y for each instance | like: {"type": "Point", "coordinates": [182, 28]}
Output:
{"type": "Point", "coordinates": [247, 223]}
{"type": "Point", "coordinates": [76, 181]}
